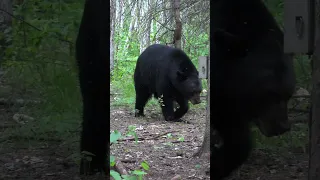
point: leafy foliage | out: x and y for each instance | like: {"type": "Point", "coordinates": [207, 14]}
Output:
{"type": "Point", "coordinates": [135, 174]}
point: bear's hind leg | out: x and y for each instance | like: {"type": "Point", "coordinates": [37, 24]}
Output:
{"type": "Point", "coordinates": [142, 97]}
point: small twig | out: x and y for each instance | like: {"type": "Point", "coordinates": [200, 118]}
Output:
{"type": "Point", "coordinates": [128, 160]}
{"type": "Point", "coordinates": [180, 141]}
{"type": "Point", "coordinates": [155, 137]}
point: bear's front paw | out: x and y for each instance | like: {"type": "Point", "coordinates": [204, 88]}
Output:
{"type": "Point", "coordinates": [171, 118]}
{"type": "Point", "coordinates": [138, 113]}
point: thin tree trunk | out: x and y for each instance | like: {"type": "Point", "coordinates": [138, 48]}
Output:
{"type": "Point", "coordinates": [178, 29]}
{"type": "Point", "coordinates": [119, 25]}
{"type": "Point", "coordinates": [112, 33]}
{"type": "Point", "coordinates": [121, 13]}
{"type": "Point", "coordinates": [149, 23]}
{"type": "Point", "coordinates": [132, 24]}
{"type": "Point", "coordinates": [145, 40]}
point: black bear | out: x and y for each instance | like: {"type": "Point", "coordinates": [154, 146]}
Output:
{"type": "Point", "coordinates": [92, 57]}
{"type": "Point", "coordinates": [169, 75]}
{"type": "Point", "coordinates": [251, 80]}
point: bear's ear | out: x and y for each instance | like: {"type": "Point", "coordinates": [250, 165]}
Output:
{"type": "Point", "coordinates": [230, 44]}
{"type": "Point", "coordinates": [181, 76]}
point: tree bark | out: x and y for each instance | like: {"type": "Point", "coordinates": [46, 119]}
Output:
{"type": "Point", "coordinates": [145, 40]}
{"type": "Point", "coordinates": [178, 30]}
{"type": "Point", "coordinates": [112, 29]}
{"type": "Point", "coordinates": [314, 123]}
{"type": "Point", "coordinates": [132, 23]}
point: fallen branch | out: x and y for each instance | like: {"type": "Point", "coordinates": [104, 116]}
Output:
{"type": "Point", "coordinates": [180, 141]}
{"type": "Point", "coordinates": [119, 167]}
{"type": "Point", "coordinates": [142, 138]}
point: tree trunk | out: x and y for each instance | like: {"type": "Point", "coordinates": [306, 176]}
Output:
{"type": "Point", "coordinates": [149, 23]}
{"type": "Point", "coordinates": [132, 24]}
{"type": "Point", "coordinates": [122, 6]}
{"type": "Point", "coordinates": [5, 24]}
{"type": "Point", "coordinates": [314, 123]}
{"type": "Point", "coordinates": [165, 20]}
{"type": "Point", "coordinates": [145, 40]}
{"type": "Point", "coordinates": [164, 12]}
{"type": "Point", "coordinates": [118, 23]}
{"type": "Point", "coordinates": [112, 29]}
{"type": "Point", "coordinates": [178, 30]}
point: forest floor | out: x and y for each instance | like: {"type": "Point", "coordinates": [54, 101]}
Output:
{"type": "Point", "coordinates": [167, 147]}
{"type": "Point", "coordinates": [168, 157]}
{"type": "Point", "coordinates": [28, 150]}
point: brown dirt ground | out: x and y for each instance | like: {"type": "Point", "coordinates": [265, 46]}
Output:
{"type": "Point", "coordinates": [27, 159]}
{"type": "Point", "coordinates": [169, 157]}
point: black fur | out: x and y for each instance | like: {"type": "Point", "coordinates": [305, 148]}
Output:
{"type": "Point", "coordinates": [92, 56]}
{"type": "Point", "coordinates": [250, 74]}
{"type": "Point", "coordinates": [169, 74]}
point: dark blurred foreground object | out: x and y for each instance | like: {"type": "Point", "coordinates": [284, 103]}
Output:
{"type": "Point", "coordinates": [92, 55]}
{"type": "Point", "coordinates": [251, 80]}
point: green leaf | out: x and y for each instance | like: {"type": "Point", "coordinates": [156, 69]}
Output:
{"type": "Point", "coordinates": [114, 136]}
{"type": "Point", "coordinates": [169, 135]}
{"type": "Point", "coordinates": [132, 128]}
{"type": "Point", "coordinates": [139, 172]}
{"type": "Point", "coordinates": [145, 165]}
{"type": "Point", "coordinates": [181, 139]}
{"type": "Point", "coordinates": [112, 161]}
{"type": "Point", "coordinates": [129, 177]}
{"type": "Point", "coordinates": [115, 175]}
